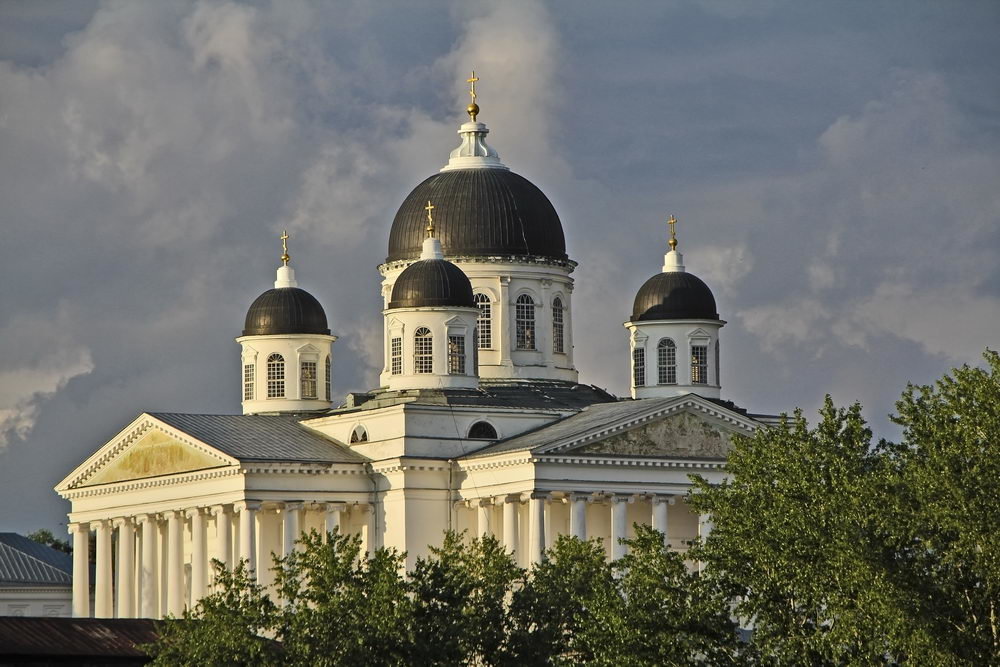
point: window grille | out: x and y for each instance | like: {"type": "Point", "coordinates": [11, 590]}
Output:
{"type": "Point", "coordinates": [666, 361]}
{"type": "Point", "coordinates": [524, 316]}
{"type": "Point", "coordinates": [326, 377]}
{"type": "Point", "coordinates": [360, 434]}
{"type": "Point", "coordinates": [456, 355]}
{"type": "Point", "coordinates": [699, 364]}
{"type": "Point", "coordinates": [275, 376]}
{"type": "Point", "coordinates": [248, 382]}
{"type": "Point", "coordinates": [396, 355]}
{"type": "Point", "coordinates": [307, 379]}
{"type": "Point", "coordinates": [423, 351]}
{"type": "Point", "coordinates": [484, 323]}
{"type": "Point", "coordinates": [557, 326]}
{"type": "Point", "coordinates": [639, 367]}
{"type": "Point", "coordinates": [482, 431]}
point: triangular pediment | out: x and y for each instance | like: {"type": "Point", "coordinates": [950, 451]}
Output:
{"type": "Point", "coordinates": [680, 435]}
{"type": "Point", "coordinates": [147, 448]}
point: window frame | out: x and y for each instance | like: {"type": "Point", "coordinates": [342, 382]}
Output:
{"type": "Point", "coordinates": [525, 339]}
{"type": "Point", "coordinates": [396, 355]}
{"type": "Point", "coordinates": [639, 366]}
{"type": "Point", "coordinates": [558, 326]}
{"type": "Point", "coordinates": [699, 367]}
{"type": "Point", "coordinates": [308, 379]}
{"type": "Point", "coordinates": [484, 320]}
{"type": "Point", "coordinates": [249, 381]}
{"type": "Point", "coordinates": [666, 361]}
{"type": "Point", "coordinates": [276, 376]}
{"type": "Point", "coordinates": [456, 354]}
{"type": "Point", "coordinates": [423, 351]}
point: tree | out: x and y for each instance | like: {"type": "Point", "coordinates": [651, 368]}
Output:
{"type": "Point", "coordinates": [839, 550]}
{"type": "Point", "coordinates": [460, 596]}
{"type": "Point", "coordinates": [228, 626]}
{"type": "Point", "coordinates": [43, 536]}
{"type": "Point", "coordinates": [342, 607]}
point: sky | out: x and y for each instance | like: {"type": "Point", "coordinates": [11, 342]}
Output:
{"type": "Point", "coordinates": [834, 167]}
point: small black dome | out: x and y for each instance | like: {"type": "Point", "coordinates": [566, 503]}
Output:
{"type": "Point", "coordinates": [431, 282]}
{"type": "Point", "coordinates": [478, 212]}
{"type": "Point", "coordinates": [674, 296]}
{"type": "Point", "coordinates": [285, 310]}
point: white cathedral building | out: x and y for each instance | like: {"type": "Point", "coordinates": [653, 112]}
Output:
{"type": "Point", "coordinates": [479, 423]}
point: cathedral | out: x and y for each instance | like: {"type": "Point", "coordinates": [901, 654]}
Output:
{"type": "Point", "coordinates": [479, 422]}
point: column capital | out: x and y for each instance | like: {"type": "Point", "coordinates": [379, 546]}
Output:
{"type": "Point", "coordinates": [172, 514]}
{"type": "Point", "coordinates": [97, 524]}
{"type": "Point", "coordinates": [536, 495]}
{"type": "Point", "coordinates": [668, 499]}
{"type": "Point", "coordinates": [485, 502]}
{"type": "Point", "coordinates": [334, 507]}
{"type": "Point", "coordinates": [242, 505]}
{"type": "Point", "coordinates": [77, 527]}
{"type": "Point", "coordinates": [193, 512]}
{"type": "Point", "coordinates": [292, 505]}
{"type": "Point", "coordinates": [121, 521]}
{"type": "Point", "coordinates": [146, 517]}
{"type": "Point", "coordinates": [615, 498]}
{"type": "Point", "coordinates": [218, 510]}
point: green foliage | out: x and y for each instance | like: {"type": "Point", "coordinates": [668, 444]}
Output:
{"type": "Point", "coordinates": [341, 607]}
{"type": "Point", "coordinates": [460, 602]}
{"type": "Point", "coordinates": [43, 536]}
{"type": "Point", "coordinates": [228, 626]}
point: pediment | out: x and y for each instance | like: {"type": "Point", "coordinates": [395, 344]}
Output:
{"type": "Point", "coordinates": [147, 448]}
{"type": "Point", "coordinates": [679, 435]}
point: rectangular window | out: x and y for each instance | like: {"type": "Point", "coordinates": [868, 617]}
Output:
{"type": "Point", "coordinates": [423, 352]}
{"type": "Point", "coordinates": [326, 378]}
{"type": "Point", "coordinates": [524, 321]}
{"type": "Point", "coordinates": [639, 367]}
{"type": "Point", "coordinates": [456, 355]}
{"type": "Point", "coordinates": [307, 378]}
{"type": "Point", "coordinates": [275, 376]}
{"type": "Point", "coordinates": [248, 382]}
{"type": "Point", "coordinates": [484, 328]}
{"type": "Point", "coordinates": [557, 327]}
{"type": "Point", "coordinates": [699, 364]}
{"type": "Point", "coordinates": [396, 355]}
{"type": "Point", "coordinates": [667, 364]}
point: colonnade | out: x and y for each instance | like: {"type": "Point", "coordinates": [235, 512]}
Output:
{"type": "Point", "coordinates": [539, 524]}
{"type": "Point", "coordinates": [150, 565]}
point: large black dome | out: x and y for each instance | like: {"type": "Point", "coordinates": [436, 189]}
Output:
{"type": "Point", "coordinates": [478, 212]}
{"type": "Point", "coordinates": [431, 282]}
{"type": "Point", "coordinates": [285, 310]}
{"type": "Point", "coordinates": [675, 295]}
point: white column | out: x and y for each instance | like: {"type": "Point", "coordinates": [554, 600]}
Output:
{"type": "Point", "coordinates": [223, 536]}
{"type": "Point", "coordinates": [510, 507]}
{"type": "Point", "coordinates": [504, 329]}
{"type": "Point", "coordinates": [248, 532]}
{"type": "Point", "coordinates": [368, 537]}
{"type": "Point", "coordinates": [704, 530]}
{"type": "Point", "coordinates": [81, 569]}
{"type": "Point", "coordinates": [199, 556]}
{"type": "Point", "coordinates": [148, 591]}
{"type": "Point", "coordinates": [543, 324]}
{"type": "Point", "coordinates": [536, 528]}
{"type": "Point", "coordinates": [618, 528]}
{"type": "Point", "coordinates": [660, 522]}
{"type": "Point", "coordinates": [126, 568]}
{"type": "Point", "coordinates": [103, 574]}
{"type": "Point", "coordinates": [578, 516]}
{"type": "Point", "coordinates": [483, 508]}
{"type": "Point", "coordinates": [291, 515]}
{"type": "Point", "coordinates": [175, 563]}
{"type": "Point", "coordinates": [332, 522]}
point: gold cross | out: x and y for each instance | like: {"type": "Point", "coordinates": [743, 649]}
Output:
{"type": "Point", "coordinates": [472, 80]}
{"type": "Point", "coordinates": [673, 234]}
{"type": "Point", "coordinates": [430, 220]}
{"type": "Point", "coordinates": [284, 247]}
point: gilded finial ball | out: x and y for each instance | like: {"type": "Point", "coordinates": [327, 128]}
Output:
{"type": "Point", "coordinates": [673, 244]}
{"type": "Point", "coordinates": [473, 110]}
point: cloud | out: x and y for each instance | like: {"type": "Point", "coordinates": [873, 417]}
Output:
{"type": "Point", "coordinates": [723, 267]}
{"type": "Point", "coordinates": [40, 357]}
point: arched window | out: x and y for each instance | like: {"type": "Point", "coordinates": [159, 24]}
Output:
{"type": "Point", "coordinates": [248, 373]}
{"type": "Point", "coordinates": [524, 317]}
{"type": "Point", "coordinates": [307, 379]}
{"type": "Point", "coordinates": [423, 351]}
{"type": "Point", "coordinates": [484, 323]}
{"type": "Point", "coordinates": [482, 431]}
{"type": "Point", "coordinates": [666, 362]}
{"type": "Point", "coordinates": [639, 367]}
{"type": "Point", "coordinates": [326, 377]}
{"type": "Point", "coordinates": [360, 434]}
{"type": "Point", "coordinates": [699, 364]}
{"type": "Point", "coordinates": [557, 326]}
{"type": "Point", "coordinates": [276, 376]}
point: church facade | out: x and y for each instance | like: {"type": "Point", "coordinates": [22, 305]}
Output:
{"type": "Point", "coordinates": [479, 423]}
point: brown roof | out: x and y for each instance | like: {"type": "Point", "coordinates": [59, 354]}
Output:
{"type": "Point", "coordinates": [64, 638]}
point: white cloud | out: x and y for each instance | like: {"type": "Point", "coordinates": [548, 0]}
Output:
{"type": "Point", "coordinates": [723, 267]}
{"type": "Point", "coordinates": [39, 358]}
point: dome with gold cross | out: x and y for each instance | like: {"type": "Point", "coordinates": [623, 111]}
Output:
{"type": "Point", "coordinates": [286, 309]}
{"type": "Point", "coordinates": [486, 209]}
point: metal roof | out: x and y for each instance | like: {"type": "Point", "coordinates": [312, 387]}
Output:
{"type": "Point", "coordinates": [39, 637]}
{"type": "Point", "coordinates": [479, 212]}
{"type": "Point", "coordinates": [590, 419]}
{"type": "Point", "coordinates": [262, 437]}
{"type": "Point", "coordinates": [431, 282]}
{"type": "Point", "coordinates": [24, 562]}
{"type": "Point", "coordinates": [285, 310]}
{"type": "Point", "coordinates": [675, 295]}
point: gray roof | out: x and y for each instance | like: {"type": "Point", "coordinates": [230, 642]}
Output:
{"type": "Point", "coordinates": [24, 562]}
{"type": "Point", "coordinates": [64, 641]}
{"type": "Point", "coordinates": [518, 394]}
{"type": "Point", "coordinates": [588, 420]}
{"type": "Point", "coordinates": [262, 437]}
